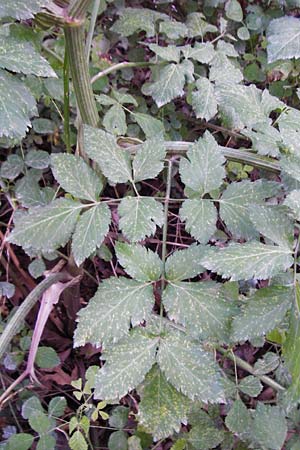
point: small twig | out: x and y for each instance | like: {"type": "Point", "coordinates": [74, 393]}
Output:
{"type": "Point", "coordinates": [120, 66]}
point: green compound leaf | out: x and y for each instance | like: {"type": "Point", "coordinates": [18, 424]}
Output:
{"type": "Point", "coordinates": [139, 217]}
{"type": "Point", "coordinates": [117, 303]}
{"type": "Point", "coordinates": [249, 260]}
{"type": "Point", "coordinates": [162, 408]}
{"type": "Point", "coordinates": [20, 10]}
{"type": "Point", "coordinates": [76, 177]}
{"type": "Point", "coordinates": [173, 29]}
{"type": "Point", "coordinates": [169, 83]}
{"type": "Point", "coordinates": [283, 36]}
{"type": "Point", "coordinates": [17, 105]}
{"type": "Point", "coordinates": [190, 369]}
{"type": "Point", "coordinates": [21, 57]}
{"type": "Point", "coordinates": [204, 102]}
{"type": "Point", "coordinates": [200, 218]}
{"type": "Point", "coordinates": [265, 139]}
{"type": "Point", "coordinates": [200, 307]}
{"type": "Point", "coordinates": [222, 70]}
{"type": "Point", "coordinates": [274, 224]}
{"type": "Point", "coordinates": [126, 365]}
{"type": "Point", "coordinates": [203, 169]}
{"type": "Point", "coordinates": [293, 202]}
{"type": "Point", "coordinates": [118, 441]}
{"type": "Point", "coordinates": [291, 345]}
{"type": "Point", "coordinates": [46, 228]}
{"type": "Point", "coordinates": [20, 441]}
{"type": "Point", "coordinates": [235, 201]}
{"type": "Point", "coordinates": [261, 313]}
{"type": "Point", "coordinates": [184, 264]}
{"type": "Point", "coordinates": [90, 232]}
{"type": "Point", "coordinates": [137, 19]}
{"type": "Point", "coordinates": [140, 263]}
{"type": "Point", "coordinates": [148, 161]}
{"type": "Point", "coordinates": [269, 426]}
{"type": "Point", "coordinates": [102, 147]}
{"type": "Point", "coordinates": [114, 120]}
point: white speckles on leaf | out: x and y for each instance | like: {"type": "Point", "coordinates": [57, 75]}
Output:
{"type": "Point", "coordinates": [200, 218]}
{"type": "Point", "coordinates": [139, 262]}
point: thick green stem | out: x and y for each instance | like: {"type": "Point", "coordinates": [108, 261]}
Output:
{"type": "Point", "coordinates": [78, 8]}
{"type": "Point", "coordinates": [66, 103]}
{"type": "Point", "coordinates": [80, 75]}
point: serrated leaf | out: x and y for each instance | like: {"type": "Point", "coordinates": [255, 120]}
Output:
{"type": "Point", "coordinates": [200, 307]}
{"type": "Point", "coordinates": [291, 345]}
{"type": "Point", "coordinates": [123, 97]}
{"type": "Point", "coordinates": [162, 408]}
{"type": "Point", "coordinates": [75, 176]}
{"type": "Point", "coordinates": [235, 201]}
{"type": "Point", "coordinates": [283, 36]}
{"type": "Point", "coordinates": [202, 52]}
{"type": "Point", "coordinates": [184, 264]}
{"type": "Point", "coordinates": [245, 105]}
{"type": "Point", "coordinates": [46, 228]}
{"type": "Point", "coordinates": [119, 417]}
{"type": "Point", "coordinates": [12, 167]}
{"type": "Point", "coordinates": [293, 202]}
{"type": "Point", "coordinates": [190, 369]}
{"type": "Point", "coordinates": [290, 164]}
{"type": "Point", "coordinates": [173, 29]}
{"type": "Point", "coordinates": [21, 57]}
{"type": "Point", "coordinates": [150, 125]}
{"type": "Point", "coordinates": [197, 25]}
{"type": "Point", "coordinates": [40, 423]}
{"type": "Point", "coordinates": [20, 10]}
{"type": "Point", "coordinates": [117, 303]}
{"type": "Point", "coordinates": [139, 217]}
{"type": "Point", "coordinates": [17, 105]}
{"type": "Point", "coordinates": [200, 217]}
{"type": "Point", "coordinates": [234, 10]}
{"type": "Point", "coordinates": [126, 365]}
{"type": "Point", "coordinates": [148, 161]}
{"type": "Point", "coordinates": [46, 358]}
{"type": "Point", "coordinates": [203, 169]}
{"type": "Point", "coordinates": [265, 139]}
{"type": "Point", "coordinates": [77, 441]}
{"type": "Point", "coordinates": [250, 386]}
{"type": "Point", "coordinates": [262, 313]}
{"type": "Point", "coordinates": [37, 159]}
{"type": "Point", "coordinates": [169, 53]}
{"type": "Point", "coordinates": [31, 406]}
{"type": "Point", "coordinates": [266, 364]}
{"type": "Point", "coordinates": [205, 438]}
{"type": "Point", "coordinates": [102, 147]}
{"type": "Point", "coordinates": [249, 260]}
{"type": "Point", "coordinates": [204, 101]}
{"type": "Point", "coordinates": [132, 20]}
{"type": "Point", "coordinates": [20, 441]}
{"type": "Point", "coordinates": [238, 420]}
{"type": "Point", "coordinates": [223, 70]}
{"type": "Point", "coordinates": [168, 84]}
{"type": "Point", "coordinates": [46, 442]}
{"type": "Point", "coordinates": [57, 406]}
{"type": "Point", "coordinates": [140, 263]}
{"type": "Point", "coordinates": [269, 426]}
{"type": "Point", "coordinates": [117, 441]}
{"type": "Point", "coordinates": [271, 222]}
{"type": "Point", "coordinates": [90, 231]}
{"type": "Point", "coordinates": [114, 120]}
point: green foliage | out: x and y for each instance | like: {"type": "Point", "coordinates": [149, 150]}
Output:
{"type": "Point", "coordinates": [164, 319]}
